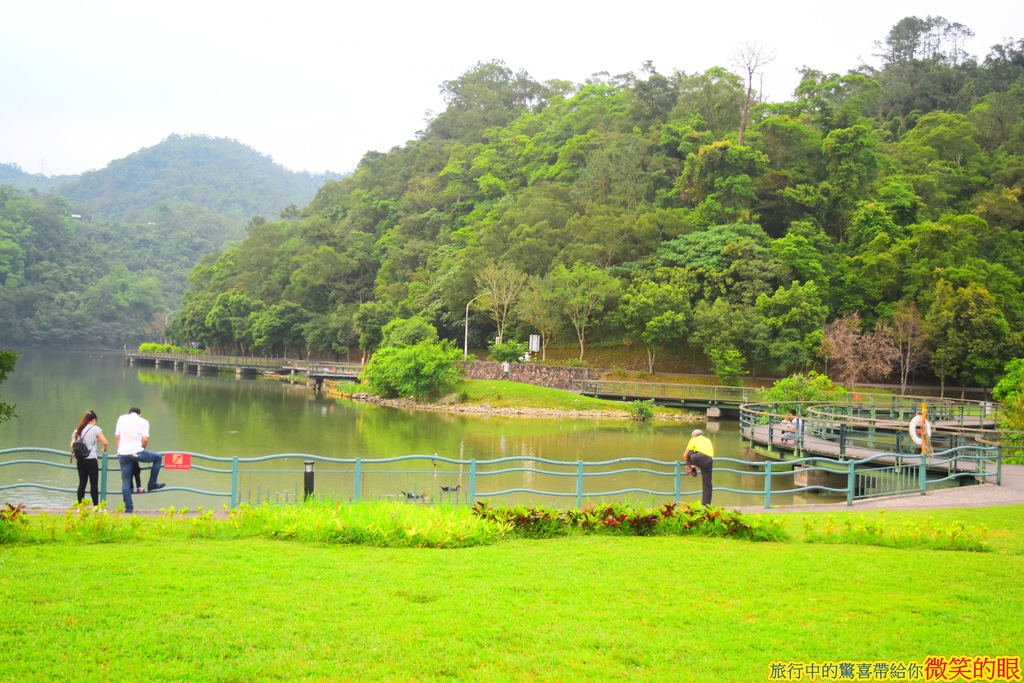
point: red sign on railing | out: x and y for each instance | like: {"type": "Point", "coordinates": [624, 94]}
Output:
{"type": "Point", "coordinates": [177, 461]}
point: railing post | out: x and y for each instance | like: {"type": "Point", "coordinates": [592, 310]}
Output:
{"type": "Point", "coordinates": [999, 465]}
{"type": "Point", "coordinates": [770, 438]}
{"type": "Point", "coordinates": [678, 478]}
{"type": "Point", "coordinates": [307, 481]}
{"type": "Point", "coordinates": [357, 486]}
{"type": "Point", "coordinates": [579, 483]}
{"type": "Point", "coordinates": [842, 439]}
{"type": "Point", "coordinates": [472, 482]}
{"type": "Point", "coordinates": [850, 482]}
{"type": "Point", "coordinates": [234, 482]}
{"type": "Point", "coordinates": [768, 483]}
{"type": "Point", "coordinates": [922, 474]}
{"type": "Point", "coordinates": [103, 479]}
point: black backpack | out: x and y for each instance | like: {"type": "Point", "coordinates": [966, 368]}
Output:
{"type": "Point", "coordinates": [79, 449]}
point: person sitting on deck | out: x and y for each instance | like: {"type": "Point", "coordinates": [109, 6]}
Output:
{"type": "Point", "coordinates": [792, 427]}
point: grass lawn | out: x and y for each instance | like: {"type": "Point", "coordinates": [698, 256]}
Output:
{"type": "Point", "coordinates": [516, 395]}
{"type": "Point", "coordinates": [505, 394]}
{"type": "Point", "coordinates": [581, 608]}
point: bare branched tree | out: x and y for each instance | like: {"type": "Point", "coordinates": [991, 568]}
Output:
{"type": "Point", "coordinates": [857, 356]}
{"type": "Point", "coordinates": [912, 342]}
{"type": "Point", "coordinates": [750, 57]}
{"type": "Point", "coordinates": [538, 308]}
{"type": "Point", "coordinates": [501, 286]}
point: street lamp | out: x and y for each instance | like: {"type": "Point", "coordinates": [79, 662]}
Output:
{"type": "Point", "coordinates": [465, 348]}
{"type": "Point", "coordinates": [167, 317]}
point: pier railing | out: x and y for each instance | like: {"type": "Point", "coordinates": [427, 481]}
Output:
{"type": "Point", "coordinates": [859, 430]}
{"type": "Point", "coordinates": [432, 479]}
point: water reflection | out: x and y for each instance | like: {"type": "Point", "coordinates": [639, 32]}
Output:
{"type": "Point", "coordinates": [225, 416]}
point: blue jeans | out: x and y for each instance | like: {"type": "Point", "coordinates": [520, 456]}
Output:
{"type": "Point", "coordinates": [126, 462]}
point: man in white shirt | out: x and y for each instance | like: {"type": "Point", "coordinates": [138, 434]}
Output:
{"type": "Point", "coordinates": [132, 436]}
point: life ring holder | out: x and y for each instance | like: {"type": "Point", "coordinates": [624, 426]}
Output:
{"type": "Point", "coordinates": [915, 426]}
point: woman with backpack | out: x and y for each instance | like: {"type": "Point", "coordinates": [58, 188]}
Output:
{"type": "Point", "coordinates": [83, 446]}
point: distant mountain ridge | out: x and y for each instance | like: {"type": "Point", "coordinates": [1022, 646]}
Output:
{"type": "Point", "coordinates": [221, 175]}
{"type": "Point", "coordinates": [11, 174]}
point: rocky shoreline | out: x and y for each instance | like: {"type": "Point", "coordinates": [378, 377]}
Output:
{"type": "Point", "coordinates": [452, 406]}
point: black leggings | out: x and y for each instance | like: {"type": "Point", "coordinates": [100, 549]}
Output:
{"type": "Point", "coordinates": [88, 468]}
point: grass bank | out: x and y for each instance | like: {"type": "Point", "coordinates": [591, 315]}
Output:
{"type": "Point", "coordinates": [498, 395]}
{"type": "Point", "coordinates": [579, 608]}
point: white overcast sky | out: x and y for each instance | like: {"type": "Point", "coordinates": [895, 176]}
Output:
{"type": "Point", "coordinates": [317, 84]}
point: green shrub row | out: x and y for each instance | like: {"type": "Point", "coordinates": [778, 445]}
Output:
{"type": "Point", "coordinates": [909, 534]}
{"type": "Point", "coordinates": [402, 525]}
{"type": "Point", "coordinates": [671, 519]}
{"type": "Point", "coordinates": [150, 347]}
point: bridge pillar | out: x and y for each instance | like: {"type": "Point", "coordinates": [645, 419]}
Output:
{"type": "Point", "coordinates": [206, 369]}
{"type": "Point", "coordinates": [242, 373]}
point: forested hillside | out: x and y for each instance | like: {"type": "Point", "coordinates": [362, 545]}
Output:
{"type": "Point", "coordinates": [68, 282]}
{"type": "Point", "coordinates": [13, 176]}
{"type": "Point", "coordinates": [670, 210]}
{"type": "Point", "coordinates": [114, 274]}
{"type": "Point", "coordinates": [218, 176]}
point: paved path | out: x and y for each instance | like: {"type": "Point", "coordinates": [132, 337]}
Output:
{"type": "Point", "coordinates": [981, 495]}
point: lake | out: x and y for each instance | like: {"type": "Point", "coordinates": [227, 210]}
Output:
{"type": "Point", "coordinates": [224, 416]}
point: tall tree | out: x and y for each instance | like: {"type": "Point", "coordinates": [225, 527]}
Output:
{"type": "Point", "coordinates": [8, 359]}
{"type": "Point", "coordinates": [911, 337]}
{"type": "Point", "coordinates": [789, 331]}
{"type": "Point", "coordinates": [654, 314]}
{"type": "Point", "coordinates": [581, 293]}
{"type": "Point", "coordinates": [501, 285]}
{"type": "Point", "coordinates": [970, 335]}
{"type": "Point", "coordinates": [857, 355]}
{"type": "Point", "coordinates": [539, 307]}
{"type": "Point", "coordinates": [750, 58]}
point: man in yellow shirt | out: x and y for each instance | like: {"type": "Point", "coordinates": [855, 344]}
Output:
{"type": "Point", "coordinates": [700, 453]}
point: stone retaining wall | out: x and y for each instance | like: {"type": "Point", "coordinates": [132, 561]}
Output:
{"type": "Point", "coordinates": [551, 376]}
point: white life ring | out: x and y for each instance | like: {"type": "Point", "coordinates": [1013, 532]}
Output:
{"type": "Point", "coordinates": [915, 426]}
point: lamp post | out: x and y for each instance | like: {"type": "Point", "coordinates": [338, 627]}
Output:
{"type": "Point", "coordinates": [167, 317]}
{"type": "Point", "coordinates": [465, 348]}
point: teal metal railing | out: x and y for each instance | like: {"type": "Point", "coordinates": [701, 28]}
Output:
{"type": "Point", "coordinates": [884, 474]}
{"type": "Point", "coordinates": [854, 429]}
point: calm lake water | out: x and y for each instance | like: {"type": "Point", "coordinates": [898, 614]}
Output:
{"type": "Point", "coordinates": [224, 416]}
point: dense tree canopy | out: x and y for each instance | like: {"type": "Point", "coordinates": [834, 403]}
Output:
{"type": "Point", "coordinates": [638, 216]}
{"type": "Point", "coordinates": [627, 209]}
{"type": "Point", "coordinates": [103, 261]}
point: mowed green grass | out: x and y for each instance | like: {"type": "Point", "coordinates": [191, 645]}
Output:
{"type": "Point", "coordinates": [568, 609]}
{"type": "Point", "coordinates": [507, 394]}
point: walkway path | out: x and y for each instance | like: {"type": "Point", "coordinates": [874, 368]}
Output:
{"type": "Point", "coordinates": [981, 495]}
{"type": "Point", "coordinates": [817, 445]}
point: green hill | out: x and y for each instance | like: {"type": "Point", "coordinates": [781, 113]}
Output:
{"type": "Point", "coordinates": [101, 259]}
{"type": "Point", "coordinates": [671, 211]}
{"type": "Point", "coordinates": [216, 175]}
{"type": "Point", "coordinates": [11, 174]}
